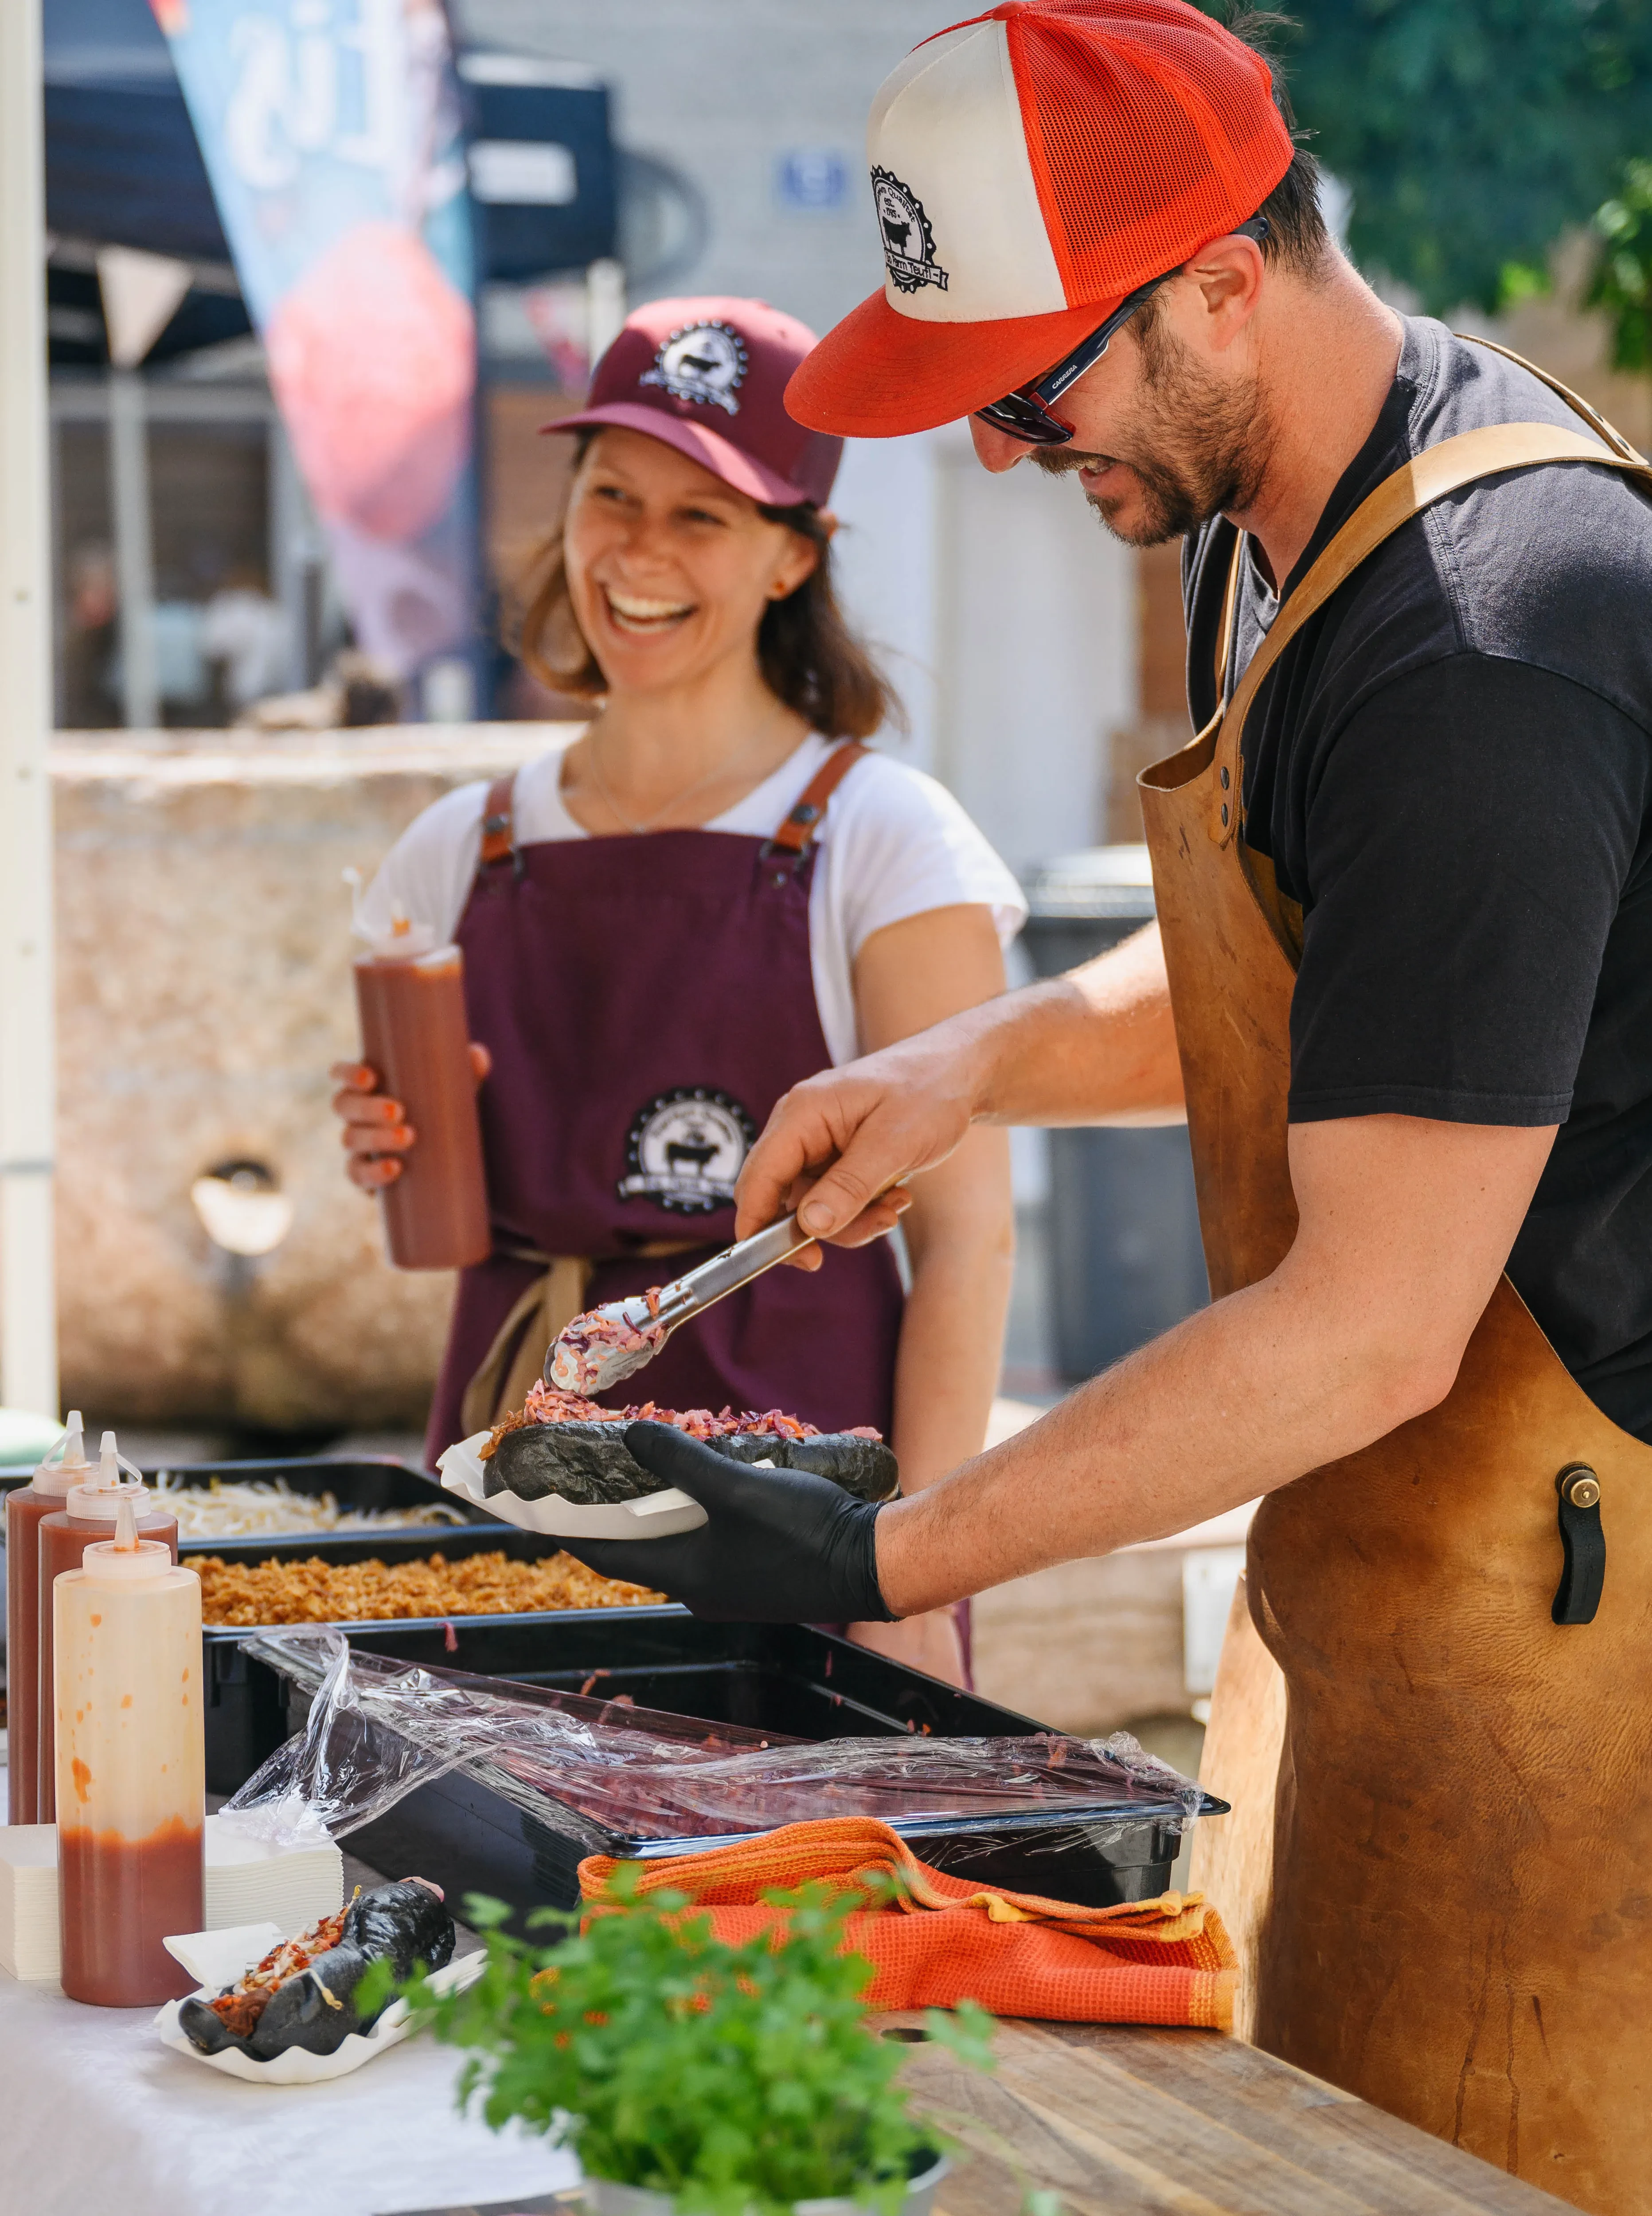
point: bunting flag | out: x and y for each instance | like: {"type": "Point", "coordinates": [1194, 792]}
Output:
{"type": "Point", "coordinates": [331, 134]}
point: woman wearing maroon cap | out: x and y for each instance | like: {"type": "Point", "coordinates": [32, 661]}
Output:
{"type": "Point", "coordinates": [710, 893]}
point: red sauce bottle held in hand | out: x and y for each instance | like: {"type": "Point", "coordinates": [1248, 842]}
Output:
{"type": "Point", "coordinates": [410, 993]}
{"type": "Point", "coordinates": [43, 1495]}
{"type": "Point", "coordinates": [87, 1514]}
{"type": "Point", "coordinates": [131, 1767]}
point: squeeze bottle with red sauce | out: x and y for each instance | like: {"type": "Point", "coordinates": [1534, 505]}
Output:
{"type": "Point", "coordinates": [131, 1767]}
{"type": "Point", "coordinates": [409, 995]}
{"type": "Point", "coordinates": [87, 1514]}
{"type": "Point", "coordinates": [65, 1466]}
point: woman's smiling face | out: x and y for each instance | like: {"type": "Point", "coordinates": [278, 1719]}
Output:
{"type": "Point", "coordinates": [668, 569]}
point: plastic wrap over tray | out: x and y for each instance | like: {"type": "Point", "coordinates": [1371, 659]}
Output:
{"type": "Point", "coordinates": [378, 1728]}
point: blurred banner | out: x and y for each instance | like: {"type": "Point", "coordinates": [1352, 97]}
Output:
{"type": "Point", "coordinates": [332, 135]}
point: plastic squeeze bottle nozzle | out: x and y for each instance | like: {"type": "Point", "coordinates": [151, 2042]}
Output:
{"type": "Point", "coordinates": [409, 995]}
{"type": "Point", "coordinates": [86, 1513]}
{"type": "Point", "coordinates": [64, 1466]}
{"type": "Point", "coordinates": [131, 1757]}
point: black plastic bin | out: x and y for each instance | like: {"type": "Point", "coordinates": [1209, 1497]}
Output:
{"type": "Point", "coordinates": [245, 1716]}
{"type": "Point", "coordinates": [1126, 1258]}
{"type": "Point", "coordinates": [374, 1481]}
{"type": "Point", "coordinates": [783, 1677]}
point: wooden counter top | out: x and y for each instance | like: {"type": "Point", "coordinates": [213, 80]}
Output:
{"type": "Point", "coordinates": [1126, 2121]}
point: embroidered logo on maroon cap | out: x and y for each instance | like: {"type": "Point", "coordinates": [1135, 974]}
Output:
{"type": "Point", "coordinates": [701, 361]}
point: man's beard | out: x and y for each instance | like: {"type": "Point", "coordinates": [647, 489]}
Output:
{"type": "Point", "coordinates": [1197, 447]}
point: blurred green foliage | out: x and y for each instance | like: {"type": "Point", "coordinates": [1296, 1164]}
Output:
{"type": "Point", "coordinates": [1622, 284]}
{"type": "Point", "coordinates": [1471, 133]}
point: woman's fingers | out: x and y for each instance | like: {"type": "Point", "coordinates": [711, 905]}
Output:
{"type": "Point", "coordinates": [481, 1060]}
{"type": "Point", "coordinates": [370, 1139]}
{"type": "Point", "coordinates": [376, 1129]}
{"type": "Point", "coordinates": [373, 1171]}
{"type": "Point", "coordinates": [370, 1109]}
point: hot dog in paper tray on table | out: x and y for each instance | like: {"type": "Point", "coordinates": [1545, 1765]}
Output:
{"type": "Point", "coordinates": [561, 1467]}
{"type": "Point", "coordinates": [279, 2011]}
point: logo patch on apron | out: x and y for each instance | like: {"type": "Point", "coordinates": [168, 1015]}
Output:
{"type": "Point", "coordinates": [685, 1148]}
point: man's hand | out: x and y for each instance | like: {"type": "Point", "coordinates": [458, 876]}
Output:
{"type": "Point", "coordinates": [1097, 1042]}
{"type": "Point", "coordinates": [778, 1546]}
{"type": "Point", "coordinates": [837, 1144]}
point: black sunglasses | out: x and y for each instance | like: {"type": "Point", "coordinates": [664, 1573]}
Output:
{"type": "Point", "coordinates": [1025, 413]}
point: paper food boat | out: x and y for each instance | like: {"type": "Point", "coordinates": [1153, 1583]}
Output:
{"type": "Point", "coordinates": [218, 1957]}
{"type": "Point", "coordinates": [656, 1515]}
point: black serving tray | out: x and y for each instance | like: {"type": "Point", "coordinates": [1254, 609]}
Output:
{"type": "Point", "coordinates": [362, 1482]}
{"type": "Point", "coordinates": [782, 1678]}
{"type": "Point", "coordinates": [246, 1719]}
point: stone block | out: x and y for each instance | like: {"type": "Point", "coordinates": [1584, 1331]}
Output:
{"type": "Point", "coordinates": [203, 988]}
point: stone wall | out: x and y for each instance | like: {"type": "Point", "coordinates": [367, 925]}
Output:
{"type": "Point", "coordinates": [204, 986]}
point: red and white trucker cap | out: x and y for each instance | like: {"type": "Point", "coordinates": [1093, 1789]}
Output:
{"type": "Point", "coordinates": [708, 376]}
{"type": "Point", "coordinates": [1029, 167]}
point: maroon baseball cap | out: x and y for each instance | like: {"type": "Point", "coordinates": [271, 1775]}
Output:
{"type": "Point", "coordinates": [709, 377]}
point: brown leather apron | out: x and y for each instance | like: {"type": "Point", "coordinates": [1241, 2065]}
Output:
{"type": "Point", "coordinates": [1457, 1924]}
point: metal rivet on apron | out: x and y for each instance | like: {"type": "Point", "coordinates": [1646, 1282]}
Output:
{"type": "Point", "coordinates": [1226, 782]}
{"type": "Point", "coordinates": [1583, 1541]}
{"type": "Point", "coordinates": [1224, 815]}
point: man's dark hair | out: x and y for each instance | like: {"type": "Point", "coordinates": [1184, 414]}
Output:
{"type": "Point", "coordinates": [1297, 238]}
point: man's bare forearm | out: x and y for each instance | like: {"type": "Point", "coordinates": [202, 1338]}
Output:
{"type": "Point", "coordinates": [1238, 1399]}
{"type": "Point", "coordinates": [1099, 1041]}
{"type": "Point", "coordinates": [1405, 1226]}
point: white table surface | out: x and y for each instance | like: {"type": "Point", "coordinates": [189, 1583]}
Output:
{"type": "Point", "coordinates": [96, 2115]}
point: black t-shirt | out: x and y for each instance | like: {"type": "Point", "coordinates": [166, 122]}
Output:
{"type": "Point", "coordinates": [1451, 769]}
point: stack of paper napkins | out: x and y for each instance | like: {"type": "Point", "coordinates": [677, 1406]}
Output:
{"type": "Point", "coordinates": [28, 1899]}
{"type": "Point", "coordinates": [250, 1880]}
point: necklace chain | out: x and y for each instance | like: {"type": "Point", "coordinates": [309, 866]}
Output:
{"type": "Point", "coordinates": [677, 798]}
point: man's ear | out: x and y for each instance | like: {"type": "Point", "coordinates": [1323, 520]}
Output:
{"type": "Point", "coordinates": [1228, 274]}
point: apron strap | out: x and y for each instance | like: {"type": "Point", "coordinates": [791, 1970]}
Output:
{"type": "Point", "coordinates": [797, 834]}
{"type": "Point", "coordinates": [1427, 477]}
{"type": "Point", "coordinates": [516, 1357]}
{"type": "Point", "coordinates": [499, 824]}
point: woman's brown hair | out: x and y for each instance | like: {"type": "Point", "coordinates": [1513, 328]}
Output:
{"type": "Point", "coordinates": [808, 657]}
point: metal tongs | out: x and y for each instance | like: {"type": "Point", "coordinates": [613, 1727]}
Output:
{"type": "Point", "coordinates": [573, 1367]}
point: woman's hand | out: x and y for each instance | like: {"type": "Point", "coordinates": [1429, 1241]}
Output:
{"type": "Point", "coordinates": [377, 1133]}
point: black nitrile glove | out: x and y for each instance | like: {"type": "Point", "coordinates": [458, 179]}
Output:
{"type": "Point", "coordinates": [778, 1546]}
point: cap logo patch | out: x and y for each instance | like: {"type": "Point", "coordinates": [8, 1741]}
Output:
{"type": "Point", "coordinates": [909, 243]}
{"type": "Point", "coordinates": [702, 361]}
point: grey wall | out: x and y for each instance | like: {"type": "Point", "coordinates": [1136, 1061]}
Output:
{"type": "Point", "coordinates": [721, 91]}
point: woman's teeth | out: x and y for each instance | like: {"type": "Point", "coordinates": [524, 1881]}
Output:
{"type": "Point", "coordinates": [631, 613]}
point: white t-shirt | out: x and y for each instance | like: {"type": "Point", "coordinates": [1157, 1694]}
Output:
{"type": "Point", "coordinates": [893, 844]}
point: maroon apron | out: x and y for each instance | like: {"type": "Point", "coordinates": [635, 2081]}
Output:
{"type": "Point", "coordinates": [646, 1001]}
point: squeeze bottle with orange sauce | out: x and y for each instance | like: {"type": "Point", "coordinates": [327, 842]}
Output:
{"type": "Point", "coordinates": [86, 1514]}
{"type": "Point", "coordinates": [45, 1494]}
{"type": "Point", "coordinates": [410, 993]}
{"type": "Point", "coordinates": [131, 1767]}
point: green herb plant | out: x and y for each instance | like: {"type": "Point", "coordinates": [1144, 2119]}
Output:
{"type": "Point", "coordinates": [736, 2079]}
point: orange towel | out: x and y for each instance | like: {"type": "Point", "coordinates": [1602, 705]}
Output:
{"type": "Point", "coordinates": [1168, 1960]}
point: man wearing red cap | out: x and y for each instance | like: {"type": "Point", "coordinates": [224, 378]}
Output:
{"type": "Point", "coordinates": [1402, 978]}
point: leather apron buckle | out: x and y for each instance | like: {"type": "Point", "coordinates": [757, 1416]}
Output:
{"type": "Point", "coordinates": [1584, 1540]}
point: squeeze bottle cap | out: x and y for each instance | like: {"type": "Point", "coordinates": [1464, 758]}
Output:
{"type": "Point", "coordinates": [404, 941]}
{"type": "Point", "coordinates": [127, 1555]}
{"type": "Point", "coordinates": [65, 1464]}
{"type": "Point", "coordinates": [101, 1504]}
